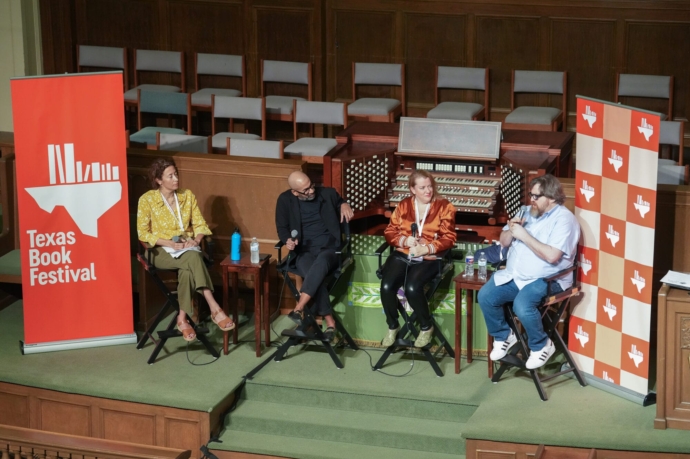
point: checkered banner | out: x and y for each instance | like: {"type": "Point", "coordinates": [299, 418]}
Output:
{"type": "Point", "coordinates": [615, 203]}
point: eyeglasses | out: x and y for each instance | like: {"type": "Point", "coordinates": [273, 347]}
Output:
{"type": "Point", "coordinates": [306, 190]}
{"type": "Point", "coordinates": [535, 197]}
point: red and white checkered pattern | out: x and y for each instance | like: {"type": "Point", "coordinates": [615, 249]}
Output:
{"type": "Point", "coordinates": [615, 203]}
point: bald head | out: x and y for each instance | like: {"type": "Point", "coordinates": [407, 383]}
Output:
{"type": "Point", "coordinates": [298, 180]}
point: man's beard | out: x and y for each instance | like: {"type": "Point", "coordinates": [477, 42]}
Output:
{"type": "Point", "coordinates": [306, 198]}
{"type": "Point", "coordinates": [535, 212]}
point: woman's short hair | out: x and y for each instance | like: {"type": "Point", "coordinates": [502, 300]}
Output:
{"type": "Point", "coordinates": [550, 187]}
{"type": "Point", "coordinates": [157, 168]}
{"type": "Point", "coordinates": [417, 174]}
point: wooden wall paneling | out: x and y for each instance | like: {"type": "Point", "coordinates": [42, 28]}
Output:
{"type": "Point", "coordinates": [362, 36]}
{"type": "Point", "coordinates": [206, 27]}
{"type": "Point", "coordinates": [109, 419]}
{"type": "Point", "coordinates": [504, 44]}
{"type": "Point", "coordinates": [14, 410]}
{"type": "Point", "coordinates": [433, 39]}
{"type": "Point", "coordinates": [57, 36]}
{"type": "Point", "coordinates": [586, 49]}
{"type": "Point", "coordinates": [660, 48]}
{"type": "Point", "coordinates": [285, 34]}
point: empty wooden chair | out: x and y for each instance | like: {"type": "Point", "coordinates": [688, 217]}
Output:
{"type": "Point", "coordinates": [537, 118]}
{"type": "Point", "coordinates": [463, 78]}
{"type": "Point", "coordinates": [183, 142]}
{"type": "Point", "coordinates": [103, 57]}
{"type": "Point", "coordinates": [672, 133]}
{"type": "Point", "coordinates": [647, 86]}
{"type": "Point", "coordinates": [163, 103]}
{"type": "Point", "coordinates": [225, 65]}
{"type": "Point", "coordinates": [377, 108]}
{"type": "Point", "coordinates": [313, 149]}
{"type": "Point", "coordinates": [146, 60]}
{"type": "Point", "coordinates": [279, 107]}
{"type": "Point", "coordinates": [243, 108]}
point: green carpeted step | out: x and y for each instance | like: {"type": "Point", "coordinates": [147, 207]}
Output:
{"type": "Point", "coordinates": [275, 445]}
{"type": "Point", "coordinates": [368, 403]}
{"type": "Point", "coordinates": [348, 427]}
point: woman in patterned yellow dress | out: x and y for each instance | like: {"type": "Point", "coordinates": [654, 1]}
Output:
{"type": "Point", "coordinates": [169, 220]}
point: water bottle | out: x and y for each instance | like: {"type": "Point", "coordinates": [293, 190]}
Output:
{"type": "Point", "coordinates": [469, 265]}
{"type": "Point", "coordinates": [235, 242]}
{"type": "Point", "coordinates": [254, 250]}
{"type": "Point", "coordinates": [482, 266]}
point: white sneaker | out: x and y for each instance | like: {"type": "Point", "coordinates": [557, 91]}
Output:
{"type": "Point", "coordinates": [538, 358]}
{"type": "Point", "coordinates": [501, 348]}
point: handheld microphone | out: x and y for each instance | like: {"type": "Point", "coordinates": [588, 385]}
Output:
{"type": "Point", "coordinates": [293, 235]}
{"type": "Point", "coordinates": [414, 229]}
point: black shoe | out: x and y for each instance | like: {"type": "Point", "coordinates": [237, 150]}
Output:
{"type": "Point", "coordinates": [329, 334]}
{"type": "Point", "coordinates": [296, 316]}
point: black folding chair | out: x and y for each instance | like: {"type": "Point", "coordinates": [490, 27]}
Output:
{"type": "Point", "coordinates": [310, 330]}
{"type": "Point", "coordinates": [552, 310]}
{"type": "Point", "coordinates": [145, 257]}
{"type": "Point", "coordinates": [408, 333]}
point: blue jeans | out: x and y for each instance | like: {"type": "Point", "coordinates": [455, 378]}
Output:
{"type": "Point", "coordinates": [492, 298]}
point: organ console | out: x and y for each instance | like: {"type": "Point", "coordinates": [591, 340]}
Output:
{"type": "Point", "coordinates": [483, 177]}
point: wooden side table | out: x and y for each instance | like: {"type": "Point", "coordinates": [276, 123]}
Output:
{"type": "Point", "coordinates": [470, 284]}
{"type": "Point", "coordinates": [260, 272]}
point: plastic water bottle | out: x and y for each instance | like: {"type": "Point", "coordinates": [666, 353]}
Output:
{"type": "Point", "coordinates": [482, 266]}
{"type": "Point", "coordinates": [254, 250]}
{"type": "Point", "coordinates": [469, 265]}
{"type": "Point", "coordinates": [235, 242]}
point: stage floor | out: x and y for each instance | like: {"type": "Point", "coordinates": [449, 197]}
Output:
{"type": "Point", "coordinates": [306, 388]}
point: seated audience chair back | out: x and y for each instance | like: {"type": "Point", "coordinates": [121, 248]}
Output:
{"type": "Point", "coordinates": [183, 142]}
{"type": "Point", "coordinates": [408, 332]}
{"type": "Point", "coordinates": [161, 103]}
{"type": "Point", "coordinates": [646, 86]}
{"type": "Point", "coordinates": [223, 65]}
{"type": "Point", "coordinates": [313, 149]}
{"type": "Point", "coordinates": [310, 330]}
{"type": "Point", "coordinates": [167, 62]}
{"type": "Point", "coordinates": [554, 309]}
{"type": "Point", "coordinates": [279, 107]}
{"type": "Point", "coordinates": [103, 57]}
{"type": "Point", "coordinates": [672, 133]}
{"type": "Point", "coordinates": [462, 78]}
{"type": "Point", "coordinates": [537, 118]}
{"type": "Point", "coordinates": [377, 108]}
{"type": "Point", "coordinates": [232, 108]}
{"type": "Point", "coordinates": [10, 264]}
{"type": "Point", "coordinates": [255, 148]}
{"type": "Point", "coordinates": [671, 173]}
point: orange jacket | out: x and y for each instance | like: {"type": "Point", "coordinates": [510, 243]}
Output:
{"type": "Point", "coordinates": [438, 231]}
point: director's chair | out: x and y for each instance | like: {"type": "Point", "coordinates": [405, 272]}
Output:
{"type": "Point", "coordinates": [310, 330]}
{"type": "Point", "coordinates": [145, 257]}
{"type": "Point", "coordinates": [408, 332]}
{"type": "Point", "coordinates": [552, 309]}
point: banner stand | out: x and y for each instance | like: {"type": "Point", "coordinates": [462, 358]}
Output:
{"type": "Point", "coordinates": [69, 345]}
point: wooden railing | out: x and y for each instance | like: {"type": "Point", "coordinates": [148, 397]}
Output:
{"type": "Point", "coordinates": [21, 443]}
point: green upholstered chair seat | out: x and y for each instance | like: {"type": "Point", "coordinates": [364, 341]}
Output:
{"type": "Point", "coordinates": [372, 106]}
{"type": "Point", "coordinates": [10, 264]}
{"type": "Point", "coordinates": [310, 146]}
{"type": "Point", "coordinates": [148, 134]}
{"type": "Point", "coordinates": [131, 95]}
{"type": "Point", "coordinates": [280, 104]}
{"type": "Point", "coordinates": [203, 96]}
{"type": "Point", "coordinates": [533, 115]}
{"type": "Point", "coordinates": [454, 111]}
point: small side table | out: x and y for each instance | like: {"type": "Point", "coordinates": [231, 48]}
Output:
{"type": "Point", "coordinates": [471, 284]}
{"type": "Point", "coordinates": [260, 272]}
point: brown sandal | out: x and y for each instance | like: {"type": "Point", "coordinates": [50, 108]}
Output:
{"type": "Point", "coordinates": [187, 331]}
{"type": "Point", "coordinates": [224, 322]}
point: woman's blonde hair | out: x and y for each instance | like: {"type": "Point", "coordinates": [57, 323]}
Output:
{"type": "Point", "coordinates": [417, 174]}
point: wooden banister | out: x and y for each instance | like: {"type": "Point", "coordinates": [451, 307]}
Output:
{"type": "Point", "coordinates": [19, 443]}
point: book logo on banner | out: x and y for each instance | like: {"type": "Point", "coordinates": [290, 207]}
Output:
{"type": "Point", "coordinates": [636, 356]}
{"type": "Point", "coordinates": [86, 193]}
{"type": "Point", "coordinates": [589, 116]}
{"type": "Point", "coordinates": [582, 336]}
{"type": "Point", "coordinates": [641, 206]}
{"type": "Point", "coordinates": [585, 264]}
{"type": "Point", "coordinates": [586, 190]}
{"type": "Point", "coordinates": [610, 308]}
{"type": "Point", "coordinates": [605, 377]}
{"type": "Point", "coordinates": [612, 235]}
{"type": "Point", "coordinates": [645, 129]}
{"type": "Point", "coordinates": [615, 160]}
{"type": "Point", "coordinates": [638, 281]}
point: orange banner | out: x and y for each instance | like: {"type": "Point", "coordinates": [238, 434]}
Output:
{"type": "Point", "coordinates": [73, 214]}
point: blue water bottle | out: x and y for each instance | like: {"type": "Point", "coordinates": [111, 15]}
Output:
{"type": "Point", "coordinates": [235, 242]}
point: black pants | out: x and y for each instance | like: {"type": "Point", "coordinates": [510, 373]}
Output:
{"type": "Point", "coordinates": [418, 275]}
{"type": "Point", "coordinates": [314, 265]}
